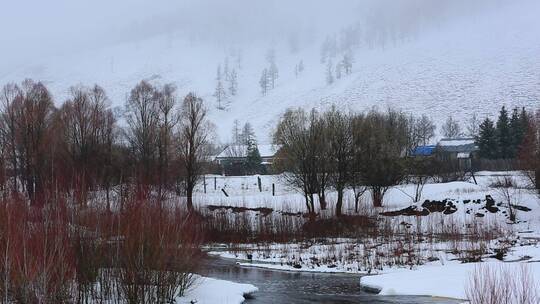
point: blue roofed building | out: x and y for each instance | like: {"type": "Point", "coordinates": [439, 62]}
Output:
{"type": "Point", "coordinates": [424, 151]}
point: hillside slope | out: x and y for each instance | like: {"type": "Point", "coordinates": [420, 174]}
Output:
{"type": "Point", "coordinates": [475, 65]}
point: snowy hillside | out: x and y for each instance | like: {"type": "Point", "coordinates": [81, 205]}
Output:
{"type": "Point", "coordinates": [475, 64]}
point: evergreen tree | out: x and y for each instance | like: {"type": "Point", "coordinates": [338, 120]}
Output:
{"type": "Point", "coordinates": [226, 72]}
{"type": "Point", "coordinates": [504, 135]}
{"type": "Point", "coordinates": [301, 67]}
{"type": "Point", "coordinates": [263, 82]}
{"type": "Point", "coordinates": [219, 93]}
{"type": "Point", "coordinates": [253, 158]}
{"type": "Point", "coordinates": [271, 56]}
{"type": "Point", "coordinates": [248, 135]}
{"type": "Point", "coordinates": [329, 74]}
{"type": "Point", "coordinates": [233, 83]}
{"type": "Point", "coordinates": [338, 70]}
{"type": "Point", "coordinates": [487, 140]}
{"type": "Point", "coordinates": [517, 132]}
{"type": "Point", "coordinates": [236, 132]}
{"type": "Point", "coordinates": [273, 74]}
{"type": "Point", "coordinates": [347, 63]}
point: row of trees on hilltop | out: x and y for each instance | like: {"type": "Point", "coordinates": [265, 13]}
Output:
{"type": "Point", "coordinates": [79, 147]}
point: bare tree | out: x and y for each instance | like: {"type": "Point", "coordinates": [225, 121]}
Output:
{"type": "Point", "coordinates": [33, 129]}
{"type": "Point", "coordinates": [355, 180]}
{"type": "Point", "coordinates": [193, 140]}
{"type": "Point", "coordinates": [381, 141]}
{"type": "Point", "coordinates": [84, 128]}
{"type": "Point", "coordinates": [167, 120]}
{"type": "Point", "coordinates": [419, 172]}
{"type": "Point", "coordinates": [142, 116]}
{"type": "Point", "coordinates": [508, 190]}
{"type": "Point", "coordinates": [8, 132]}
{"type": "Point", "coordinates": [529, 152]}
{"type": "Point", "coordinates": [340, 144]}
{"type": "Point", "coordinates": [451, 128]}
{"type": "Point", "coordinates": [473, 126]}
{"type": "Point", "coordinates": [296, 157]}
{"type": "Point", "coordinates": [425, 128]}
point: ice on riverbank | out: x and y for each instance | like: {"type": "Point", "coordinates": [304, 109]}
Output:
{"type": "Point", "coordinates": [210, 291]}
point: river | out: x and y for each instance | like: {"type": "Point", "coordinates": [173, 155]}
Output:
{"type": "Point", "coordinates": [277, 286]}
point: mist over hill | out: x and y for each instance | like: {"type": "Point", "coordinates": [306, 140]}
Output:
{"type": "Point", "coordinates": [425, 57]}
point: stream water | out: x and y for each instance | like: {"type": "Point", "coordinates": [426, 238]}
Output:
{"type": "Point", "coordinates": [303, 287]}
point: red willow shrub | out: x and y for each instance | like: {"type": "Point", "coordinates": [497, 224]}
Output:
{"type": "Point", "coordinates": [144, 253]}
{"type": "Point", "coordinates": [35, 252]}
{"type": "Point", "coordinates": [157, 251]}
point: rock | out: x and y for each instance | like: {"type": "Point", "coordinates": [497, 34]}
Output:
{"type": "Point", "coordinates": [490, 204]}
{"type": "Point", "coordinates": [409, 211]}
{"type": "Point", "coordinates": [434, 206]}
{"type": "Point", "coordinates": [521, 208]}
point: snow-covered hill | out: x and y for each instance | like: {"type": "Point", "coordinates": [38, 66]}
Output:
{"type": "Point", "coordinates": [476, 64]}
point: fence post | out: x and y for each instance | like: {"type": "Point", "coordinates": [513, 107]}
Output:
{"type": "Point", "coordinates": [215, 183]}
{"type": "Point", "coordinates": [273, 189]}
{"type": "Point", "coordinates": [204, 183]}
{"type": "Point", "coordinates": [259, 183]}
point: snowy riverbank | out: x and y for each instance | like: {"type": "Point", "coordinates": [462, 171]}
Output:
{"type": "Point", "coordinates": [462, 226]}
{"type": "Point", "coordinates": [210, 291]}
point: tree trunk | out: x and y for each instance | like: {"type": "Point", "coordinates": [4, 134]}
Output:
{"type": "Point", "coordinates": [322, 200]}
{"type": "Point", "coordinates": [537, 179]}
{"type": "Point", "coordinates": [306, 196]}
{"type": "Point", "coordinates": [312, 203]}
{"type": "Point", "coordinates": [377, 195]}
{"type": "Point", "coordinates": [189, 194]}
{"type": "Point", "coordinates": [339, 202]}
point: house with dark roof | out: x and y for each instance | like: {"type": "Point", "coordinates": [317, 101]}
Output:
{"type": "Point", "coordinates": [462, 150]}
{"type": "Point", "coordinates": [235, 156]}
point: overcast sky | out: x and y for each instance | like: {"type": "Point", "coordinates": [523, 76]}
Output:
{"type": "Point", "coordinates": [33, 28]}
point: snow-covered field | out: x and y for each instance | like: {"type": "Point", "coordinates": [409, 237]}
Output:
{"type": "Point", "coordinates": [427, 255]}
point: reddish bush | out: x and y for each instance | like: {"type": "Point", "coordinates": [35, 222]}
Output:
{"type": "Point", "coordinates": [37, 260]}
{"type": "Point", "coordinates": [157, 252]}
